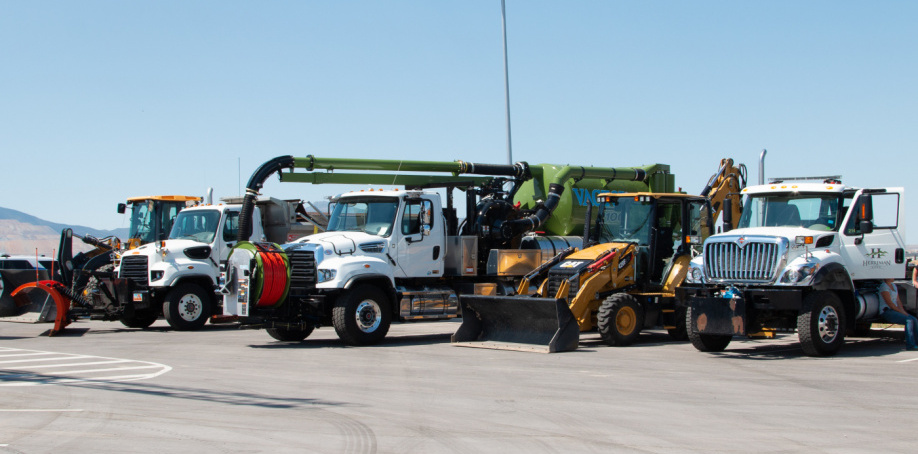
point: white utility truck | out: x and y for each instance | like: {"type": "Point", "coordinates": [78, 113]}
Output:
{"type": "Point", "coordinates": [807, 256]}
{"type": "Point", "coordinates": [401, 255]}
{"type": "Point", "coordinates": [179, 274]}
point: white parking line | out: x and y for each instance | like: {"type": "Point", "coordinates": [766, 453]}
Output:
{"type": "Point", "coordinates": [28, 354]}
{"type": "Point", "coordinates": [48, 366]}
{"type": "Point", "coordinates": [45, 359]}
{"type": "Point", "coordinates": [39, 410]}
{"type": "Point", "coordinates": [907, 360]}
{"type": "Point", "coordinates": [64, 366]}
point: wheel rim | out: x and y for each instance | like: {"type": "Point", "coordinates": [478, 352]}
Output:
{"type": "Point", "coordinates": [827, 324]}
{"type": "Point", "coordinates": [625, 320]}
{"type": "Point", "coordinates": [190, 307]}
{"type": "Point", "coordinates": [368, 316]}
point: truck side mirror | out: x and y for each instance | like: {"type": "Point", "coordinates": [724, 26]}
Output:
{"type": "Point", "coordinates": [122, 208]}
{"type": "Point", "coordinates": [425, 230]}
{"type": "Point", "coordinates": [866, 227]}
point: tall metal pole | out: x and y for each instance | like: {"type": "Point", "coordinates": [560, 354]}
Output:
{"type": "Point", "coordinates": [503, 17]}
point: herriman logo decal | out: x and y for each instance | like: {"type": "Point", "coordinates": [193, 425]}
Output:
{"type": "Point", "coordinates": [873, 261]}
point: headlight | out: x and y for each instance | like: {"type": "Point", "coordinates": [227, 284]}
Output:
{"type": "Point", "coordinates": [156, 275]}
{"type": "Point", "coordinates": [695, 275]}
{"type": "Point", "coordinates": [326, 275]}
{"type": "Point", "coordinates": [798, 274]}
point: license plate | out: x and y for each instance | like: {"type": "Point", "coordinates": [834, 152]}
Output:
{"type": "Point", "coordinates": [138, 297]}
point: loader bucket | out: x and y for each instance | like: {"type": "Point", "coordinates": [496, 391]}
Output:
{"type": "Point", "coordinates": [26, 295]}
{"type": "Point", "coordinates": [521, 323]}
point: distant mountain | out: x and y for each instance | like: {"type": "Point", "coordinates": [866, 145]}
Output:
{"type": "Point", "coordinates": [6, 213]}
{"type": "Point", "coordinates": [22, 233]}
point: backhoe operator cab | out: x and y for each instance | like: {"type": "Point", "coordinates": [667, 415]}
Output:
{"type": "Point", "coordinates": [152, 216]}
{"type": "Point", "coordinates": [662, 227]}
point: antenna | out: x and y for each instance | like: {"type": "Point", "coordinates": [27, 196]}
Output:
{"type": "Point", "coordinates": [503, 19]}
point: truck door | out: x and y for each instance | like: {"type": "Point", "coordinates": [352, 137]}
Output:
{"type": "Point", "coordinates": [420, 248]}
{"type": "Point", "coordinates": [879, 251]}
{"type": "Point", "coordinates": [226, 239]}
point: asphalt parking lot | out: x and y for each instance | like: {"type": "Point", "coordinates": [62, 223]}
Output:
{"type": "Point", "coordinates": [103, 388]}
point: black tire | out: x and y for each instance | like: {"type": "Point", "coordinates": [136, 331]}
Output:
{"type": "Point", "coordinates": [679, 331]}
{"type": "Point", "coordinates": [705, 342]}
{"type": "Point", "coordinates": [362, 315]}
{"type": "Point", "coordinates": [139, 318]}
{"type": "Point", "coordinates": [290, 334]}
{"type": "Point", "coordinates": [821, 324]}
{"type": "Point", "coordinates": [187, 307]}
{"type": "Point", "coordinates": [620, 319]}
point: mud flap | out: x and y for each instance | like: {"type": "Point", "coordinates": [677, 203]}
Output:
{"type": "Point", "coordinates": [521, 323]}
{"type": "Point", "coordinates": [721, 316]}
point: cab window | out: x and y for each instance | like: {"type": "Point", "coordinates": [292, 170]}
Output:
{"type": "Point", "coordinates": [417, 214]}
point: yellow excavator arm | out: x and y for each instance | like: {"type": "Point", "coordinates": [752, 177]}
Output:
{"type": "Point", "coordinates": [724, 185]}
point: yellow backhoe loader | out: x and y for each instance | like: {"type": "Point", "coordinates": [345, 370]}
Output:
{"type": "Point", "coordinates": [623, 280]}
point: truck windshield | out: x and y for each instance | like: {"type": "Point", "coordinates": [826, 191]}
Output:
{"type": "Point", "coordinates": [626, 220]}
{"type": "Point", "coordinates": [373, 215]}
{"type": "Point", "coordinates": [197, 225]}
{"type": "Point", "coordinates": [811, 211]}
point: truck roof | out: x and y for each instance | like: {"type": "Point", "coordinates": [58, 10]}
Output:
{"type": "Point", "coordinates": [791, 186]}
{"type": "Point", "coordinates": [655, 195]}
{"type": "Point", "coordinates": [168, 198]}
{"type": "Point", "coordinates": [380, 192]}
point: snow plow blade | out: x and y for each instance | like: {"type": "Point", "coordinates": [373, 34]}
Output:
{"type": "Point", "coordinates": [26, 296]}
{"type": "Point", "coordinates": [521, 323]}
{"type": "Point", "coordinates": [37, 308]}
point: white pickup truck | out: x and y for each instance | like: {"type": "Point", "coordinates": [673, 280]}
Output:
{"type": "Point", "coordinates": [805, 256]}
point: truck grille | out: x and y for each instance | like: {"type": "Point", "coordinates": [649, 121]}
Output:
{"type": "Point", "coordinates": [302, 269]}
{"type": "Point", "coordinates": [743, 259]}
{"type": "Point", "coordinates": [134, 267]}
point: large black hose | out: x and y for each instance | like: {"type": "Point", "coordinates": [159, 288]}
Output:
{"type": "Point", "coordinates": [251, 192]}
{"type": "Point", "coordinates": [516, 227]}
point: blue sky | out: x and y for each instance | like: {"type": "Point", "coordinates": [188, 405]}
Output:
{"type": "Point", "coordinates": [102, 100]}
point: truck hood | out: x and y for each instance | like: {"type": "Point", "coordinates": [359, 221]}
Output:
{"type": "Point", "coordinates": [783, 232]}
{"type": "Point", "coordinates": [171, 247]}
{"type": "Point", "coordinates": [347, 243]}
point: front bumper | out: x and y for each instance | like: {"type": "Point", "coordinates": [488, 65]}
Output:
{"type": "Point", "coordinates": [754, 308]}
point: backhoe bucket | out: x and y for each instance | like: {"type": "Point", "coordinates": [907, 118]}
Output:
{"type": "Point", "coordinates": [521, 323]}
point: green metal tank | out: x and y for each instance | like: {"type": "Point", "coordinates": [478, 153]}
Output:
{"type": "Point", "coordinates": [581, 186]}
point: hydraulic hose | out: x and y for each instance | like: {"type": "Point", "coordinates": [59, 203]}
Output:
{"type": "Point", "coordinates": [256, 182]}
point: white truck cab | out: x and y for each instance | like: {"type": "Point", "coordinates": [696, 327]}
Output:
{"type": "Point", "coordinates": [380, 247]}
{"type": "Point", "coordinates": [392, 233]}
{"type": "Point", "coordinates": [805, 256]}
